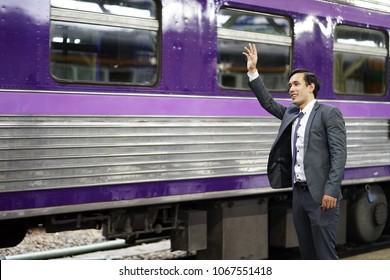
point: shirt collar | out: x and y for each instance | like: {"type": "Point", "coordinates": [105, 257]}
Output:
{"type": "Point", "coordinates": [309, 107]}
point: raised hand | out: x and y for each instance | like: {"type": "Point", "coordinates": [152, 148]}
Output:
{"type": "Point", "coordinates": [250, 53]}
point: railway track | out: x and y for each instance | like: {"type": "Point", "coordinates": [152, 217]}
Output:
{"type": "Point", "coordinates": [114, 249]}
{"type": "Point", "coordinates": [159, 248]}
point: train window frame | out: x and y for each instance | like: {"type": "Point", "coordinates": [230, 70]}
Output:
{"type": "Point", "coordinates": [138, 67]}
{"type": "Point", "coordinates": [362, 55]}
{"type": "Point", "coordinates": [240, 38]}
{"type": "Point", "coordinates": [375, 5]}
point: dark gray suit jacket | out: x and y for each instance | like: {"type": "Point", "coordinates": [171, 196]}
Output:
{"type": "Point", "coordinates": [325, 148]}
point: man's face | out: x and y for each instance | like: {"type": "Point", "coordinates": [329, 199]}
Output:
{"type": "Point", "coordinates": [300, 93]}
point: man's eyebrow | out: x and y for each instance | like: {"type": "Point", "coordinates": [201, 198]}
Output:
{"type": "Point", "coordinates": [293, 82]}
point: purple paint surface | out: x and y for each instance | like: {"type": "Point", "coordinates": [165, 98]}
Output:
{"type": "Point", "coordinates": [73, 196]}
{"type": "Point", "coordinates": [74, 104]}
{"type": "Point", "coordinates": [84, 195]}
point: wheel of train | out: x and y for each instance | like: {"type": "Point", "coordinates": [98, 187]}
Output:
{"type": "Point", "coordinates": [367, 214]}
{"type": "Point", "coordinates": [386, 231]}
{"type": "Point", "coordinates": [11, 233]}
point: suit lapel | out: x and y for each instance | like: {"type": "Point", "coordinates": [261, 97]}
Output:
{"type": "Point", "coordinates": [286, 122]}
{"type": "Point", "coordinates": [309, 123]}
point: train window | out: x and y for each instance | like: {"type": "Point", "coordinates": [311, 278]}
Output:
{"type": "Point", "coordinates": [273, 38]}
{"type": "Point", "coordinates": [360, 57]}
{"type": "Point", "coordinates": [109, 42]}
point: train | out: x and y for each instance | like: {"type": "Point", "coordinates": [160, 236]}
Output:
{"type": "Point", "coordinates": [135, 117]}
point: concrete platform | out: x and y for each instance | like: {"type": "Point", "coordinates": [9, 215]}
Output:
{"type": "Point", "coordinates": [378, 255]}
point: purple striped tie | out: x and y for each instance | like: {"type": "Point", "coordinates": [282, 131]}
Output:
{"type": "Point", "coordinates": [294, 146]}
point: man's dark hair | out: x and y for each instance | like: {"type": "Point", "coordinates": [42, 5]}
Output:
{"type": "Point", "coordinates": [309, 77]}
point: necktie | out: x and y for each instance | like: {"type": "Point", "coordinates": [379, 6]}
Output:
{"type": "Point", "coordinates": [294, 145]}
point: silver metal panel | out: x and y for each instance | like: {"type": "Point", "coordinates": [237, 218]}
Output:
{"type": "Point", "coordinates": [368, 142]}
{"type": "Point", "coordinates": [44, 152]}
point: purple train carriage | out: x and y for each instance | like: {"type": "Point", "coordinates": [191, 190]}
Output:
{"type": "Point", "coordinates": [134, 116]}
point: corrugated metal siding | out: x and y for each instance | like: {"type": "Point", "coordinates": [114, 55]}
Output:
{"type": "Point", "coordinates": [42, 152]}
{"type": "Point", "coordinates": [368, 142]}
{"type": "Point", "coordinates": [55, 152]}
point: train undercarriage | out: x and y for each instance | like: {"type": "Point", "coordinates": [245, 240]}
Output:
{"type": "Point", "coordinates": [232, 228]}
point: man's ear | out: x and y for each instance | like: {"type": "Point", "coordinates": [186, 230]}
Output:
{"type": "Point", "coordinates": [312, 86]}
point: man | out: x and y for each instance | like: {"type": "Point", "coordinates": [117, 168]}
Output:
{"type": "Point", "coordinates": [309, 153]}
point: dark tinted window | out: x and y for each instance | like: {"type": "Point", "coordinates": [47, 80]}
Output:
{"type": "Point", "coordinates": [104, 41]}
{"type": "Point", "coordinates": [272, 36]}
{"type": "Point", "coordinates": [360, 57]}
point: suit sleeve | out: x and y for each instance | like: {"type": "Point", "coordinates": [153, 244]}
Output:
{"type": "Point", "coordinates": [265, 98]}
{"type": "Point", "coordinates": [337, 141]}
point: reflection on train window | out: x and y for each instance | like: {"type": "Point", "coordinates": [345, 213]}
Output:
{"type": "Point", "coordinates": [104, 41]}
{"type": "Point", "coordinates": [273, 38]}
{"type": "Point", "coordinates": [360, 57]}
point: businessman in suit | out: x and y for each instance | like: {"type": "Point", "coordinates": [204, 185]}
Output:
{"type": "Point", "coordinates": [309, 154]}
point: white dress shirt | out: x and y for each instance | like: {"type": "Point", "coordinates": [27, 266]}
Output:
{"type": "Point", "coordinates": [252, 76]}
{"type": "Point", "coordinates": [299, 168]}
